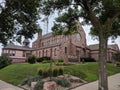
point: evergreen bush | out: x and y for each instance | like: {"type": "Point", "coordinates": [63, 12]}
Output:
{"type": "Point", "coordinates": [39, 85]}
{"type": "Point", "coordinates": [60, 71]}
{"type": "Point", "coordinates": [39, 60]}
{"type": "Point", "coordinates": [4, 61]}
{"type": "Point", "coordinates": [31, 59]}
{"type": "Point", "coordinates": [55, 72]}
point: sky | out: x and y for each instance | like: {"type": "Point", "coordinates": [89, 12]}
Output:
{"type": "Point", "coordinates": [86, 28]}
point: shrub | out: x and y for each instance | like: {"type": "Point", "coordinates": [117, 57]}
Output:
{"type": "Point", "coordinates": [116, 56]}
{"type": "Point", "coordinates": [39, 59]}
{"type": "Point", "coordinates": [63, 82]}
{"type": "Point", "coordinates": [31, 59]}
{"type": "Point", "coordinates": [46, 58]}
{"type": "Point", "coordinates": [39, 85]}
{"type": "Point", "coordinates": [61, 60]}
{"type": "Point", "coordinates": [4, 61]}
{"type": "Point", "coordinates": [89, 59]}
{"type": "Point", "coordinates": [40, 72]}
{"type": "Point", "coordinates": [60, 71]}
{"type": "Point", "coordinates": [47, 72]}
{"type": "Point", "coordinates": [55, 72]}
{"type": "Point", "coordinates": [30, 79]}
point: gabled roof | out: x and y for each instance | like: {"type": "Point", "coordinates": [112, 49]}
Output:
{"type": "Point", "coordinates": [13, 46]}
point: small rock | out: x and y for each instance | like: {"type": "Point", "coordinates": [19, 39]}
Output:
{"type": "Point", "coordinates": [33, 84]}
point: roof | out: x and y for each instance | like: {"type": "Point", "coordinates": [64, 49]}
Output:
{"type": "Point", "coordinates": [52, 45]}
{"type": "Point", "coordinates": [47, 35]}
{"type": "Point", "coordinates": [13, 46]}
{"type": "Point", "coordinates": [96, 46]}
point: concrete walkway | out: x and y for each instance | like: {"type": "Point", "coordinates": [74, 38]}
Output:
{"type": "Point", "coordinates": [6, 86]}
{"type": "Point", "coordinates": [113, 84]}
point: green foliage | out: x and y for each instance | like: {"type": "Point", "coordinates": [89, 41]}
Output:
{"type": "Point", "coordinates": [27, 81]}
{"type": "Point", "coordinates": [31, 59]}
{"type": "Point", "coordinates": [116, 56]}
{"type": "Point", "coordinates": [18, 18]}
{"type": "Point", "coordinates": [89, 59]}
{"type": "Point", "coordinates": [65, 23]}
{"type": "Point", "coordinates": [39, 85]}
{"type": "Point", "coordinates": [63, 82]}
{"type": "Point", "coordinates": [47, 72]}
{"type": "Point", "coordinates": [46, 58]}
{"type": "Point", "coordinates": [55, 72]}
{"type": "Point", "coordinates": [4, 61]}
{"type": "Point", "coordinates": [60, 71]}
{"type": "Point", "coordinates": [39, 60]}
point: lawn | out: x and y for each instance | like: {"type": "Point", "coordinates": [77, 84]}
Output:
{"type": "Point", "coordinates": [15, 73]}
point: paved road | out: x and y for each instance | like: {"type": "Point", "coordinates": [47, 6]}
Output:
{"type": "Point", "coordinates": [6, 86]}
{"type": "Point", "coordinates": [113, 84]}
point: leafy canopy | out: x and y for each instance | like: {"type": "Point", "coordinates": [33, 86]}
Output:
{"type": "Point", "coordinates": [18, 18]}
{"type": "Point", "coordinates": [65, 23]}
{"type": "Point", "coordinates": [102, 14]}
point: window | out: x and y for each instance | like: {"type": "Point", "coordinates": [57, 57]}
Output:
{"type": "Point", "coordinates": [36, 53]}
{"type": "Point", "coordinates": [39, 54]}
{"type": "Point", "coordinates": [46, 52]}
{"type": "Point", "coordinates": [65, 49]}
{"type": "Point", "coordinates": [64, 38]}
{"type": "Point", "coordinates": [23, 53]}
{"type": "Point", "coordinates": [12, 52]}
{"type": "Point", "coordinates": [55, 40]}
{"type": "Point", "coordinates": [48, 42]}
{"type": "Point", "coordinates": [55, 52]}
{"type": "Point", "coordinates": [42, 43]}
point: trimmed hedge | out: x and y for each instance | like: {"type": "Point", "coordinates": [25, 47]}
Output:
{"type": "Point", "coordinates": [31, 59]}
{"type": "Point", "coordinates": [88, 59]}
{"type": "Point", "coordinates": [39, 60]}
{"type": "Point", "coordinates": [46, 73]}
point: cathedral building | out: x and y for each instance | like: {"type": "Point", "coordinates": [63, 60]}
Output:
{"type": "Point", "coordinates": [70, 48]}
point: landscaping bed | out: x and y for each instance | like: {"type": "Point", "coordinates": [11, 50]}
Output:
{"type": "Point", "coordinates": [63, 82]}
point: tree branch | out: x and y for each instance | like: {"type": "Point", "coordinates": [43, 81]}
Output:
{"type": "Point", "coordinates": [94, 19]}
{"type": "Point", "coordinates": [111, 21]}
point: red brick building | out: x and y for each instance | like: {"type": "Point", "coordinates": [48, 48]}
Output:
{"type": "Point", "coordinates": [69, 48]}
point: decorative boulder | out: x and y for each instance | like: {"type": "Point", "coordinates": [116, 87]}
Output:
{"type": "Point", "coordinates": [33, 84]}
{"type": "Point", "coordinates": [51, 85]}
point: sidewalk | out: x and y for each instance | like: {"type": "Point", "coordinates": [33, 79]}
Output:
{"type": "Point", "coordinates": [113, 84]}
{"type": "Point", "coordinates": [6, 86]}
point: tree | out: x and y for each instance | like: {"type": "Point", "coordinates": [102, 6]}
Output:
{"type": "Point", "coordinates": [102, 14]}
{"type": "Point", "coordinates": [4, 61]}
{"type": "Point", "coordinates": [18, 18]}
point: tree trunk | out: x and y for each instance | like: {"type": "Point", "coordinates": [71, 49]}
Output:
{"type": "Point", "coordinates": [103, 82]}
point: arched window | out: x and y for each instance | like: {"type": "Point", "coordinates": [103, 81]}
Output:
{"type": "Point", "coordinates": [36, 53]}
{"type": "Point", "coordinates": [39, 54]}
{"type": "Point", "coordinates": [46, 52]}
{"type": "Point", "coordinates": [65, 49]}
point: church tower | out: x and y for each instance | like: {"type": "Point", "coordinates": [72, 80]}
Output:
{"type": "Point", "coordinates": [39, 39]}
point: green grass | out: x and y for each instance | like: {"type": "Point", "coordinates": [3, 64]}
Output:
{"type": "Point", "coordinates": [17, 72]}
